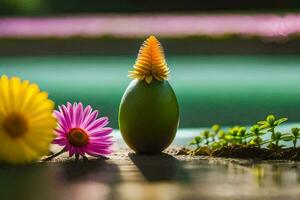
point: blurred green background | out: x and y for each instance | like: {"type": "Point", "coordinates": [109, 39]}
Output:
{"type": "Point", "coordinates": [224, 78]}
{"type": "Point", "coordinates": [228, 89]}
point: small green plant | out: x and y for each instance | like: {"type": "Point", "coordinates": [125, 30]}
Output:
{"type": "Point", "coordinates": [206, 136]}
{"type": "Point", "coordinates": [236, 135]}
{"type": "Point", "coordinates": [221, 135]}
{"type": "Point", "coordinates": [230, 134]}
{"type": "Point", "coordinates": [269, 125]}
{"type": "Point", "coordinates": [196, 141]}
{"type": "Point", "coordinates": [217, 137]}
{"type": "Point", "coordinates": [215, 145]}
{"type": "Point", "coordinates": [221, 140]}
{"type": "Point", "coordinates": [255, 134]}
{"type": "Point", "coordinates": [293, 136]}
{"type": "Point", "coordinates": [215, 130]}
{"type": "Point", "coordinates": [277, 138]}
{"type": "Point", "coordinates": [239, 136]}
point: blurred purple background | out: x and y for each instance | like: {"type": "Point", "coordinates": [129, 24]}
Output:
{"type": "Point", "coordinates": [267, 26]}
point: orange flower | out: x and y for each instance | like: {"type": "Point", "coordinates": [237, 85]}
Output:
{"type": "Point", "coordinates": [151, 62]}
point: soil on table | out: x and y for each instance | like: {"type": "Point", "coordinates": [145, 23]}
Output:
{"type": "Point", "coordinates": [245, 152]}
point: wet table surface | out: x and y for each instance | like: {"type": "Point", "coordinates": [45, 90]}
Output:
{"type": "Point", "coordinates": [129, 176]}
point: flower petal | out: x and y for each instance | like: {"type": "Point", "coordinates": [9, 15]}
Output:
{"type": "Point", "coordinates": [99, 123]}
{"type": "Point", "coordinates": [89, 119]}
{"type": "Point", "coordinates": [60, 141]}
{"type": "Point", "coordinates": [101, 132]}
{"type": "Point", "coordinates": [66, 115]}
{"type": "Point", "coordinates": [78, 115]}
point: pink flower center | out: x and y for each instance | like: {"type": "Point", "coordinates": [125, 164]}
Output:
{"type": "Point", "coordinates": [15, 125]}
{"type": "Point", "coordinates": [78, 137]}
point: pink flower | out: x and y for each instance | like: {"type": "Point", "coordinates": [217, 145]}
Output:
{"type": "Point", "coordinates": [80, 132]}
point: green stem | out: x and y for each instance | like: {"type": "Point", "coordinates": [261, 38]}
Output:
{"type": "Point", "coordinates": [273, 132]}
{"type": "Point", "coordinates": [85, 158]}
{"type": "Point", "coordinates": [54, 155]}
{"type": "Point", "coordinates": [266, 142]}
{"type": "Point", "coordinates": [213, 139]}
{"type": "Point", "coordinates": [76, 157]}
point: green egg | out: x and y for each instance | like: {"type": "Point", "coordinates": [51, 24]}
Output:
{"type": "Point", "coordinates": [148, 116]}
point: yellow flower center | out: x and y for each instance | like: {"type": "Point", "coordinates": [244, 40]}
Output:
{"type": "Point", "coordinates": [77, 137]}
{"type": "Point", "coordinates": [15, 125]}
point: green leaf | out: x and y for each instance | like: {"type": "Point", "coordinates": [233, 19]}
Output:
{"type": "Point", "coordinates": [206, 134]}
{"type": "Point", "coordinates": [295, 131]}
{"type": "Point", "coordinates": [262, 122]}
{"type": "Point", "coordinates": [242, 131]}
{"type": "Point", "coordinates": [252, 142]}
{"type": "Point", "coordinates": [280, 121]}
{"type": "Point", "coordinates": [256, 140]}
{"type": "Point", "coordinates": [266, 142]}
{"type": "Point", "coordinates": [247, 135]}
{"type": "Point", "coordinates": [288, 138]}
{"type": "Point", "coordinates": [229, 137]}
{"type": "Point", "coordinates": [275, 147]}
{"type": "Point", "coordinates": [215, 145]}
{"type": "Point", "coordinates": [270, 119]}
{"type": "Point", "coordinates": [278, 135]}
{"type": "Point", "coordinates": [238, 138]}
{"type": "Point", "coordinates": [216, 128]}
{"type": "Point", "coordinates": [234, 130]}
{"type": "Point", "coordinates": [264, 126]}
{"type": "Point", "coordinates": [223, 142]}
{"type": "Point", "coordinates": [221, 134]}
{"type": "Point", "coordinates": [212, 135]}
{"type": "Point", "coordinates": [261, 133]}
{"type": "Point", "coordinates": [198, 139]}
{"type": "Point", "coordinates": [255, 129]}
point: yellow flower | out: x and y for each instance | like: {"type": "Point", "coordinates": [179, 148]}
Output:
{"type": "Point", "coordinates": [26, 121]}
{"type": "Point", "coordinates": [151, 62]}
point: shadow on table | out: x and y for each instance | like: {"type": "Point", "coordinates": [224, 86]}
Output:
{"type": "Point", "coordinates": [92, 170]}
{"type": "Point", "coordinates": [58, 180]}
{"type": "Point", "coordinates": [161, 167]}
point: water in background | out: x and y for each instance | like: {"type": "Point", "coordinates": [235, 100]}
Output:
{"type": "Point", "coordinates": [225, 89]}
